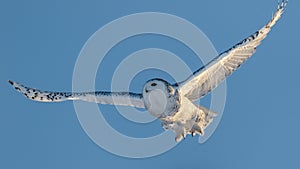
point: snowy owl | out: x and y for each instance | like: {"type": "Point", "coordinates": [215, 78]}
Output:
{"type": "Point", "coordinates": [173, 104]}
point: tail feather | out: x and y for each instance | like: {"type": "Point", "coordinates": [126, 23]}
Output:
{"type": "Point", "coordinates": [204, 118]}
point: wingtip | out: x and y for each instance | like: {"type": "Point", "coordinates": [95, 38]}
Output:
{"type": "Point", "coordinates": [282, 4]}
{"type": "Point", "coordinates": [11, 82]}
{"type": "Point", "coordinates": [280, 10]}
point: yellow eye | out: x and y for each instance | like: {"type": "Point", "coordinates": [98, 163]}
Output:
{"type": "Point", "coordinates": [153, 84]}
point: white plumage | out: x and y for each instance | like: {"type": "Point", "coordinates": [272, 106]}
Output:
{"type": "Point", "coordinates": [173, 104]}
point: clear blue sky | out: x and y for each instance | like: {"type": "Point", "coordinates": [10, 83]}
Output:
{"type": "Point", "coordinates": [40, 42]}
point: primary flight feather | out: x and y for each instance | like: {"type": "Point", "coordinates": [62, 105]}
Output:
{"type": "Point", "coordinates": [173, 104]}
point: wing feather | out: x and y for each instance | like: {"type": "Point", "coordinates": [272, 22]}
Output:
{"type": "Point", "coordinates": [211, 75]}
{"type": "Point", "coordinates": [113, 98]}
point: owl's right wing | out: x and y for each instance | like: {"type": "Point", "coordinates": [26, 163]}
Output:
{"type": "Point", "coordinates": [112, 98]}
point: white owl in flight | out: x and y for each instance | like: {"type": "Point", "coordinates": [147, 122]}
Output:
{"type": "Point", "coordinates": [173, 104]}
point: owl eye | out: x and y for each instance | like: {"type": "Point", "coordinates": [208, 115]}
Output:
{"type": "Point", "coordinates": [153, 84]}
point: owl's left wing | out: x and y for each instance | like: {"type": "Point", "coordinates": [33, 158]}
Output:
{"type": "Point", "coordinates": [113, 98]}
{"type": "Point", "coordinates": [210, 76]}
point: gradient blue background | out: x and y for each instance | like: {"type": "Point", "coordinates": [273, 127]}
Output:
{"type": "Point", "coordinates": [40, 42]}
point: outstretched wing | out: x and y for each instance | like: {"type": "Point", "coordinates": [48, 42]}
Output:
{"type": "Point", "coordinates": [210, 76]}
{"type": "Point", "coordinates": [113, 98]}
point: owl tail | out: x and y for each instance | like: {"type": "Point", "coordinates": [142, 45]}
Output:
{"type": "Point", "coordinates": [205, 117]}
{"type": "Point", "coordinates": [202, 118]}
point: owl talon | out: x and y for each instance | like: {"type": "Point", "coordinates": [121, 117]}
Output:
{"type": "Point", "coordinates": [193, 134]}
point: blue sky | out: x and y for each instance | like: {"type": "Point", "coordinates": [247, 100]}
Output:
{"type": "Point", "coordinates": [41, 40]}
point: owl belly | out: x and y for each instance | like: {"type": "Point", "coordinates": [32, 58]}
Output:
{"type": "Point", "coordinates": [189, 119]}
